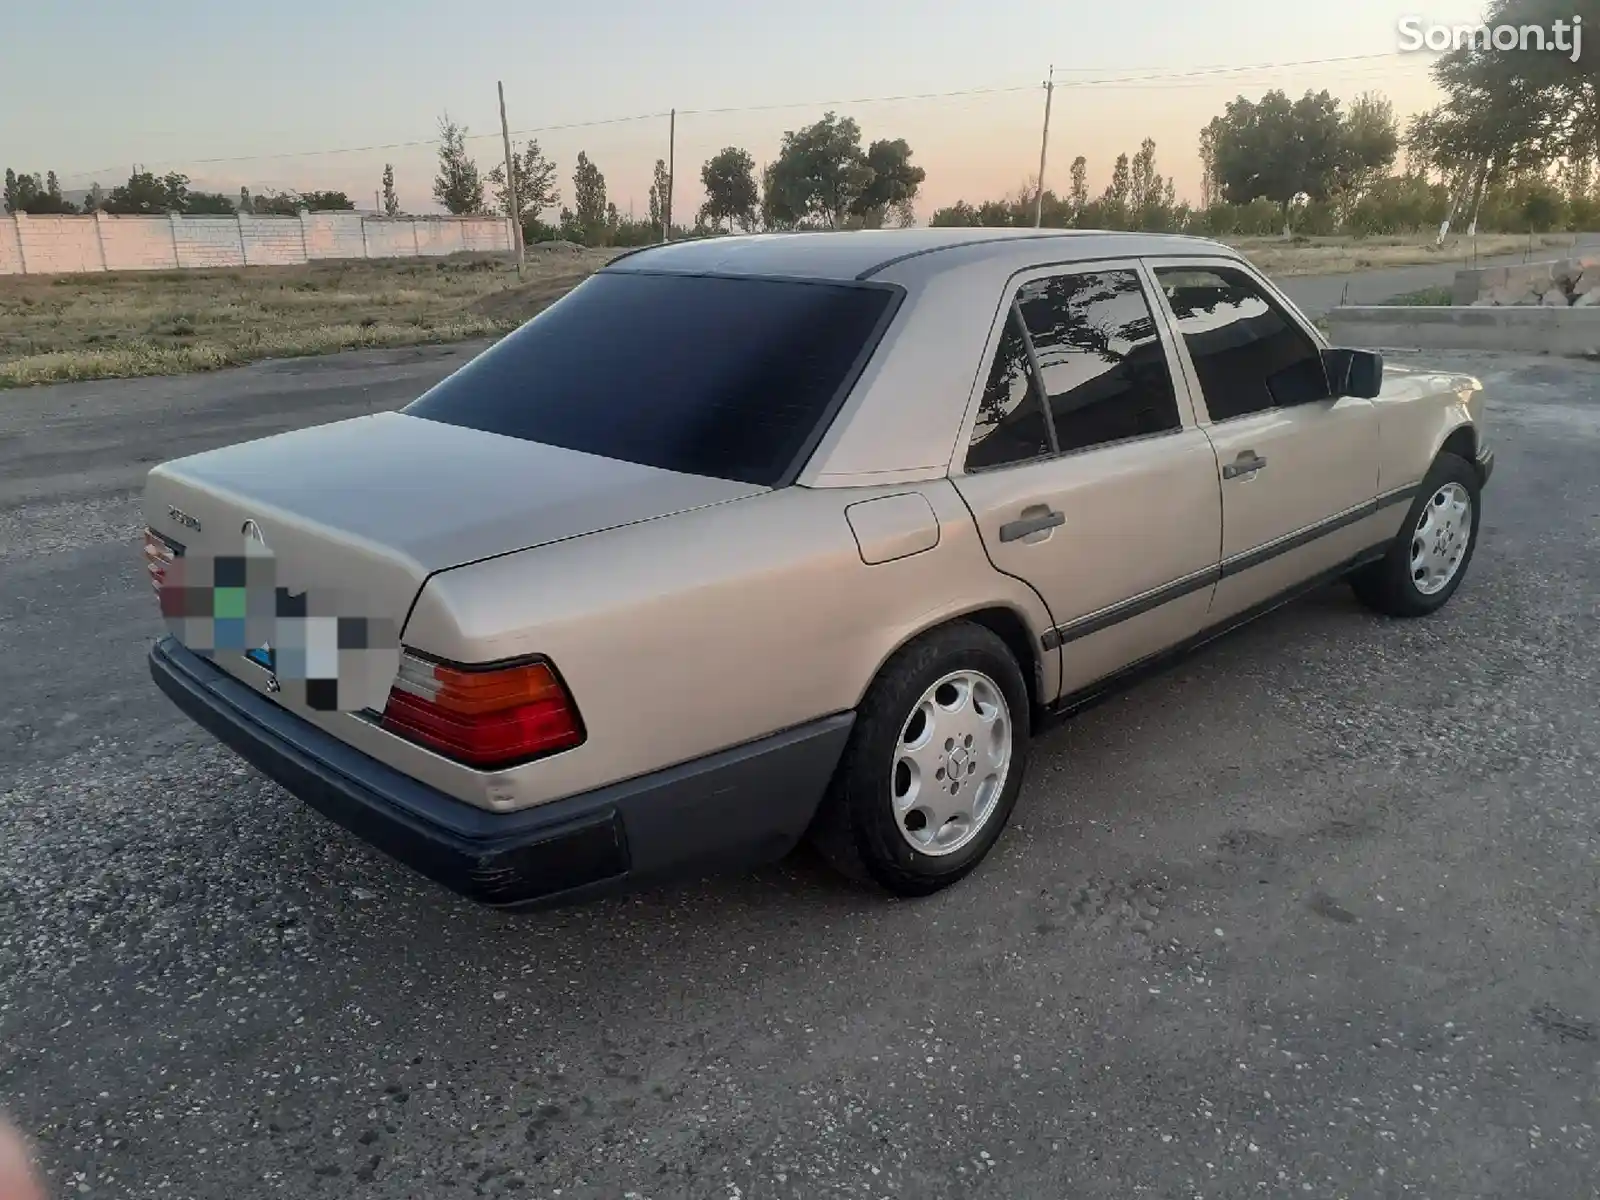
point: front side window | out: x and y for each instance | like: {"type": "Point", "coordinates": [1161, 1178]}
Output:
{"type": "Point", "coordinates": [1101, 361]}
{"type": "Point", "coordinates": [1249, 355]}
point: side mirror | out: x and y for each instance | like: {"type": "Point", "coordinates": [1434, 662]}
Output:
{"type": "Point", "coordinates": [1356, 373]}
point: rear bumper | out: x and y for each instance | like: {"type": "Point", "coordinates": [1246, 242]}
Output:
{"type": "Point", "coordinates": [731, 810]}
{"type": "Point", "coordinates": [1485, 464]}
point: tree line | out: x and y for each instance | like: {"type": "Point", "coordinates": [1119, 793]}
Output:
{"type": "Point", "coordinates": [822, 178]}
{"type": "Point", "coordinates": [1304, 167]}
{"type": "Point", "coordinates": [149, 194]}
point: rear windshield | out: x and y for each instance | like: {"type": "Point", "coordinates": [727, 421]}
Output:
{"type": "Point", "coordinates": [716, 376]}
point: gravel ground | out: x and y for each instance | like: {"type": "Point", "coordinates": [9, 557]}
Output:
{"type": "Point", "coordinates": [1315, 913]}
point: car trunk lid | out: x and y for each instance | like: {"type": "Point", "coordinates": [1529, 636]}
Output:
{"type": "Point", "coordinates": [358, 514]}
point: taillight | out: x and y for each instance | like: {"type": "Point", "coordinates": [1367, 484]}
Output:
{"type": "Point", "coordinates": [158, 556]}
{"type": "Point", "coordinates": [484, 717]}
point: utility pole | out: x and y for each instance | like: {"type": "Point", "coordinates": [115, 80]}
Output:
{"type": "Point", "coordinates": [377, 207]}
{"type": "Point", "coordinates": [672, 169]}
{"type": "Point", "coordinates": [511, 182]}
{"type": "Point", "coordinates": [1044, 147]}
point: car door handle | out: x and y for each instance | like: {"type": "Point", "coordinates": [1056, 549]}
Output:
{"type": "Point", "coordinates": [1013, 530]}
{"type": "Point", "coordinates": [1247, 463]}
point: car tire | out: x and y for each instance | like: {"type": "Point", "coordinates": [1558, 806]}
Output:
{"type": "Point", "coordinates": [1424, 564]}
{"type": "Point", "coordinates": [940, 708]}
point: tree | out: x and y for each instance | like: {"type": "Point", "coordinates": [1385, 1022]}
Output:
{"type": "Point", "coordinates": [892, 187]}
{"type": "Point", "coordinates": [246, 203]}
{"type": "Point", "coordinates": [999, 214]}
{"type": "Point", "coordinates": [146, 194]}
{"type": "Point", "coordinates": [19, 190]}
{"type": "Point", "coordinates": [958, 214]}
{"type": "Point", "coordinates": [1114, 200]}
{"type": "Point", "coordinates": [1078, 197]}
{"type": "Point", "coordinates": [1370, 140]}
{"type": "Point", "coordinates": [819, 174]}
{"type": "Point", "coordinates": [458, 186]}
{"type": "Point", "coordinates": [391, 198]}
{"type": "Point", "coordinates": [536, 184]}
{"type": "Point", "coordinates": [95, 200]}
{"type": "Point", "coordinates": [1210, 186]}
{"type": "Point", "coordinates": [1150, 194]}
{"type": "Point", "coordinates": [589, 201]}
{"type": "Point", "coordinates": [729, 178]}
{"type": "Point", "coordinates": [1278, 149]}
{"type": "Point", "coordinates": [1522, 108]}
{"type": "Point", "coordinates": [660, 194]}
{"type": "Point", "coordinates": [37, 197]}
{"type": "Point", "coordinates": [278, 204]}
{"type": "Point", "coordinates": [209, 204]}
{"type": "Point", "coordinates": [53, 201]}
{"type": "Point", "coordinates": [326, 202]}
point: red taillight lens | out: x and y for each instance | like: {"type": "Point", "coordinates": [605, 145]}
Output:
{"type": "Point", "coordinates": [158, 556]}
{"type": "Point", "coordinates": [483, 718]}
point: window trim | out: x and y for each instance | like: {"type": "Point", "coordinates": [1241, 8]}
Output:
{"type": "Point", "coordinates": [1181, 387]}
{"type": "Point", "coordinates": [1274, 296]}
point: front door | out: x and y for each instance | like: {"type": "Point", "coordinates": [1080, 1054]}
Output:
{"type": "Point", "coordinates": [1298, 470]}
{"type": "Point", "coordinates": [1086, 473]}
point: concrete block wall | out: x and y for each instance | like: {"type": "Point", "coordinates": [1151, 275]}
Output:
{"type": "Point", "coordinates": [273, 241]}
{"type": "Point", "coordinates": [69, 245]}
{"type": "Point", "coordinates": [10, 249]}
{"type": "Point", "coordinates": [208, 242]}
{"type": "Point", "coordinates": [127, 244]}
{"type": "Point", "coordinates": [486, 236]}
{"type": "Point", "coordinates": [60, 245]}
{"type": "Point", "coordinates": [391, 237]}
{"type": "Point", "coordinates": [333, 235]}
{"type": "Point", "coordinates": [439, 238]}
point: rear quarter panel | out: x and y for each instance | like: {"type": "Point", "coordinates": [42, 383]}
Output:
{"type": "Point", "coordinates": [686, 635]}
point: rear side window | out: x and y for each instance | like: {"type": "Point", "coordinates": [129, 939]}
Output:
{"type": "Point", "coordinates": [1010, 425]}
{"type": "Point", "coordinates": [717, 376]}
{"type": "Point", "coordinates": [1100, 359]}
{"type": "Point", "coordinates": [1249, 355]}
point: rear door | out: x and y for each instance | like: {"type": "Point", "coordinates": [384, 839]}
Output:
{"type": "Point", "coordinates": [1298, 470]}
{"type": "Point", "coordinates": [1085, 471]}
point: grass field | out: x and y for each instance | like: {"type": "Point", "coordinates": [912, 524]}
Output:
{"type": "Point", "coordinates": [68, 327]}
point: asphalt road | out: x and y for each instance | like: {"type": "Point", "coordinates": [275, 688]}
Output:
{"type": "Point", "coordinates": [1315, 913]}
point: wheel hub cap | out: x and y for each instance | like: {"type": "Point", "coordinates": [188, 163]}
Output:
{"type": "Point", "coordinates": [951, 763]}
{"type": "Point", "coordinates": [1439, 542]}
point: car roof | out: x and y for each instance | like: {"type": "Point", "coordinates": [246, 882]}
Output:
{"type": "Point", "coordinates": [860, 254]}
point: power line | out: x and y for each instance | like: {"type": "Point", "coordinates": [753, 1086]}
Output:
{"type": "Point", "coordinates": [1156, 75]}
{"type": "Point", "coordinates": [1199, 71]}
{"type": "Point", "coordinates": [744, 108]}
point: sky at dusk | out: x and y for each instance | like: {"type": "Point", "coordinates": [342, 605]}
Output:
{"type": "Point", "coordinates": [237, 96]}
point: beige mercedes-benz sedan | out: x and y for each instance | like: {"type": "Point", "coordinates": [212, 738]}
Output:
{"type": "Point", "coordinates": [752, 539]}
